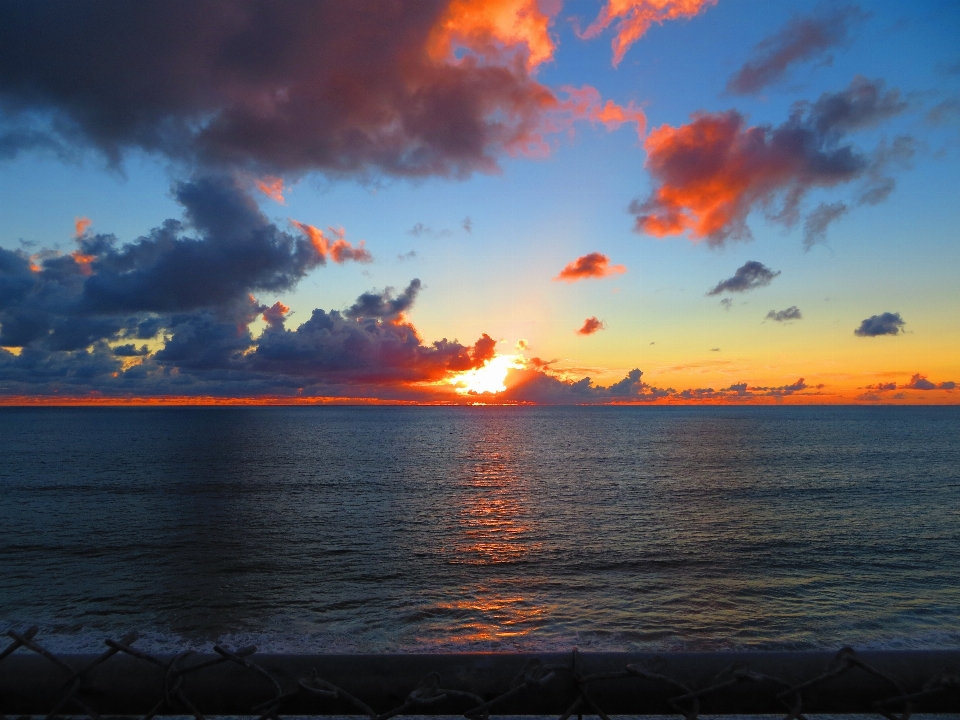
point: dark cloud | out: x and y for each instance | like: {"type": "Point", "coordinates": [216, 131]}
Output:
{"type": "Point", "coordinates": [801, 39]}
{"type": "Point", "coordinates": [467, 225]}
{"type": "Point", "coordinates": [236, 251]}
{"type": "Point", "coordinates": [536, 386]}
{"type": "Point", "coordinates": [882, 387]}
{"type": "Point", "coordinates": [817, 222]}
{"type": "Point", "coordinates": [791, 313]}
{"type": "Point", "coordinates": [222, 250]}
{"type": "Point", "coordinates": [749, 276]}
{"type": "Point", "coordinates": [726, 303]}
{"type": "Point", "coordinates": [212, 352]}
{"type": "Point", "coordinates": [884, 324]}
{"type": "Point", "coordinates": [189, 286]}
{"type": "Point", "coordinates": [383, 305]}
{"type": "Point", "coordinates": [782, 390]}
{"type": "Point", "coordinates": [330, 348]}
{"type": "Point", "coordinates": [710, 174]}
{"type": "Point", "coordinates": [920, 382]}
{"type": "Point", "coordinates": [36, 370]}
{"type": "Point", "coordinates": [130, 350]}
{"type": "Point", "coordinates": [407, 89]}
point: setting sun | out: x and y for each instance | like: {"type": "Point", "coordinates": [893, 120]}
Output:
{"type": "Point", "coordinates": [488, 378]}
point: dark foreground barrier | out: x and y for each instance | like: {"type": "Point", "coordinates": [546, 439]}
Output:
{"type": "Point", "coordinates": [125, 681]}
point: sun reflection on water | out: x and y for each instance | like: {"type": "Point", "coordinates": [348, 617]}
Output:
{"type": "Point", "coordinates": [494, 522]}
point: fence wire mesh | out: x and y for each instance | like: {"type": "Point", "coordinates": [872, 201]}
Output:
{"type": "Point", "coordinates": [127, 681]}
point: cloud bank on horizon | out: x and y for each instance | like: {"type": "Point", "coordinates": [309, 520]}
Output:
{"type": "Point", "coordinates": [241, 98]}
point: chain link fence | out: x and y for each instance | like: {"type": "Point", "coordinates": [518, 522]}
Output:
{"type": "Point", "coordinates": [126, 681]}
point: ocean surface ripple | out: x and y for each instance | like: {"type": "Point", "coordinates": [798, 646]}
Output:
{"type": "Point", "coordinates": [393, 529]}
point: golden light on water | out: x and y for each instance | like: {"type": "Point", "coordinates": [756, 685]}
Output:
{"type": "Point", "coordinates": [488, 378]}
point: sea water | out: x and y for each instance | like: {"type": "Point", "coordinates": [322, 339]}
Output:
{"type": "Point", "coordinates": [392, 529]}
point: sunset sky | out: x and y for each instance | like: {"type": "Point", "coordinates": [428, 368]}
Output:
{"type": "Point", "coordinates": [590, 201]}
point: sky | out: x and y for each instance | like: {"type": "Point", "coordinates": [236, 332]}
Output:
{"type": "Point", "coordinates": [480, 201]}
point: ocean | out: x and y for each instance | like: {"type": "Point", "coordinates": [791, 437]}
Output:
{"type": "Point", "coordinates": [396, 529]}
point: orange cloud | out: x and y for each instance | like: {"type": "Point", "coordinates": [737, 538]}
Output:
{"type": "Point", "coordinates": [586, 103]}
{"type": "Point", "coordinates": [273, 315]}
{"type": "Point", "coordinates": [590, 326]}
{"type": "Point", "coordinates": [81, 225]}
{"type": "Point", "coordinates": [272, 187]}
{"type": "Point", "coordinates": [634, 17]}
{"type": "Point", "coordinates": [339, 250]}
{"type": "Point", "coordinates": [592, 265]}
{"type": "Point", "coordinates": [710, 173]}
{"type": "Point", "coordinates": [494, 30]}
{"type": "Point", "coordinates": [707, 173]}
{"type": "Point", "coordinates": [83, 261]}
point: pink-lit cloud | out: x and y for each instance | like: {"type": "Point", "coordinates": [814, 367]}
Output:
{"type": "Point", "coordinates": [591, 265]}
{"type": "Point", "coordinates": [590, 326]}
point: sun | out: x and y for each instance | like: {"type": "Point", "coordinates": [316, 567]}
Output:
{"type": "Point", "coordinates": [488, 378]}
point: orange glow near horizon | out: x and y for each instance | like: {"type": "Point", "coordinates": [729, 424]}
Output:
{"type": "Point", "coordinates": [847, 396]}
{"type": "Point", "coordinates": [488, 378]}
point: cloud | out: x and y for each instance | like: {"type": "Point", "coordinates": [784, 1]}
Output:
{"type": "Point", "coordinates": [130, 350]}
{"type": "Point", "coordinates": [585, 103]}
{"type": "Point", "coordinates": [791, 313]}
{"type": "Point", "coordinates": [801, 39]}
{"type": "Point", "coordinates": [369, 350]}
{"type": "Point", "coordinates": [272, 187]}
{"type": "Point", "coordinates": [590, 326]}
{"type": "Point", "coordinates": [535, 385]}
{"type": "Point", "coordinates": [419, 230]}
{"type": "Point", "coordinates": [467, 225]}
{"type": "Point", "coordinates": [944, 112]}
{"type": "Point", "coordinates": [592, 265]}
{"type": "Point", "coordinates": [749, 276]}
{"type": "Point", "coordinates": [81, 225]}
{"type": "Point", "coordinates": [782, 390]}
{"type": "Point", "coordinates": [432, 88]}
{"type": "Point", "coordinates": [407, 255]}
{"type": "Point", "coordinates": [817, 222]}
{"type": "Point", "coordinates": [726, 303]}
{"type": "Point", "coordinates": [884, 324]}
{"type": "Point", "coordinates": [632, 19]}
{"type": "Point", "coordinates": [334, 349]}
{"type": "Point", "coordinates": [710, 174]}
{"type": "Point", "coordinates": [222, 250]}
{"type": "Point", "coordinates": [920, 382]}
{"type": "Point", "coordinates": [882, 387]}
{"type": "Point", "coordinates": [340, 251]}
{"type": "Point", "coordinates": [384, 305]}
{"type": "Point", "coordinates": [275, 314]}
